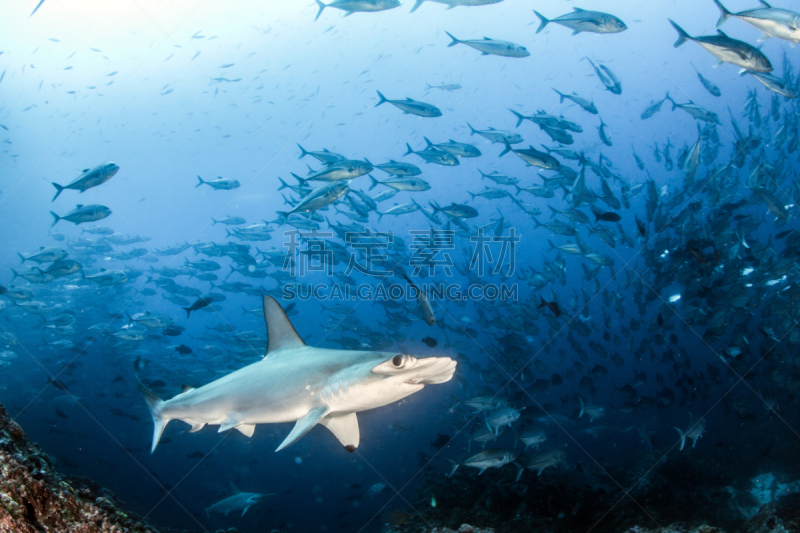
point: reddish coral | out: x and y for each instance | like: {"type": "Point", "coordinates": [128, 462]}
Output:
{"type": "Point", "coordinates": [34, 497]}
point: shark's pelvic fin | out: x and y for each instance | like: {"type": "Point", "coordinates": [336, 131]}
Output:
{"type": "Point", "coordinates": [246, 429]}
{"type": "Point", "coordinates": [196, 426]}
{"type": "Point", "coordinates": [231, 422]}
{"type": "Point", "coordinates": [344, 428]}
{"type": "Point", "coordinates": [280, 331]}
{"type": "Point", "coordinates": [307, 421]}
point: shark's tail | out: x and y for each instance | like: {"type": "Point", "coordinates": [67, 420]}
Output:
{"type": "Point", "coordinates": [683, 437]}
{"type": "Point", "coordinates": [200, 182]}
{"type": "Point", "coordinates": [382, 99]}
{"type": "Point", "coordinates": [155, 404]}
{"type": "Point", "coordinates": [416, 5]}
{"type": "Point", "coordinates": [56, 218]}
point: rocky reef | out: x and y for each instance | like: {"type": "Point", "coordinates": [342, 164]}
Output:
{"type": "Point", "coordinates": [34, 497]}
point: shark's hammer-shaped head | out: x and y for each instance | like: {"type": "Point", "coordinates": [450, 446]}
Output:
{"type": "Point", "coordinates": [409, 373]}
{"type": "Point", "coordinates": [384, 378]}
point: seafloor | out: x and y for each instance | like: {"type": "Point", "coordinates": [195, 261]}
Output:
{"type": "Point", "coordinates": [34, 497]}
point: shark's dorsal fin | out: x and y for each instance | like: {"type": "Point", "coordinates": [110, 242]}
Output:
{"type": "Point", "coordinates": [344, 428]}
{"type": "Point", "coordinates": [280, 331]}
{"type": "Point", "coordinates": [304, 423]}
{"type": "Point", "coordinates": [234, 488]}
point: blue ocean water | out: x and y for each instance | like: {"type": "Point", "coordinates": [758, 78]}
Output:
{"type": "Point", "coordinates": [675, 302]}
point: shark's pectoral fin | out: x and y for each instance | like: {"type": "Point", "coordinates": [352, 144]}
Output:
{"type": "Point", "coordinates": [246, 429]}
{"type": "Point", "coordinates": [344, 428]}
{"type": "Point", "coordinates": [304, 425]}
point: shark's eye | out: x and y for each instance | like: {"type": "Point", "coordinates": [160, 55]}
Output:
{"type": "Point", "coordinates": [398, 361]}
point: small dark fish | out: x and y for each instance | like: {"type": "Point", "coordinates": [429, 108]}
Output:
{"type": "Point", "coordinates": [3, 290]}
{"type": "Point", "coordinates": [158, 384]}
{"type": "Point", "coordinates": [641, 227]}
{"type": "Point", "coordinates": [195, 455]}
{"type": "Point", "coordinates": [122, 414]}
{"type": "Point", "coordinates": [553, 306]}
{"type": "Point", "coordinates": [57, 384]}
{"type": "Point", "coordinates": [430, 341]}
{"type": "Point", "coordinates": [608, 216]}
{"type": "Point", "coordinates": [441, 441]}
{"type": "Point", "coordinates": [660, 319]}
{"type": "Point", "coordinates": [185, 350]}
{"type": "Point", "coordinates": [174, 331]}
{"type": "Point", "coordinates": [199, 304]}
{"type": "Point", "coordinates": [627, 391]}
{"type": "Point", "coordinates": [61, 414]}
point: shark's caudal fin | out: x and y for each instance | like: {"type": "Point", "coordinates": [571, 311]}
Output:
{"type": "Point", "coordinates": [154, 403]}
{"type": "Point", "coordinates": [280, 331]}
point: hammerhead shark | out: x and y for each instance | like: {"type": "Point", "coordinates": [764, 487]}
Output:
{"type": "Point", "coordinates": [239, 500]}
{"type": "Point", "coordinates": [302, 384]}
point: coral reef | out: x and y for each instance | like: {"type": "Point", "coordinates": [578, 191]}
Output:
{"type": "Point", "coordinates": [34, 497]}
